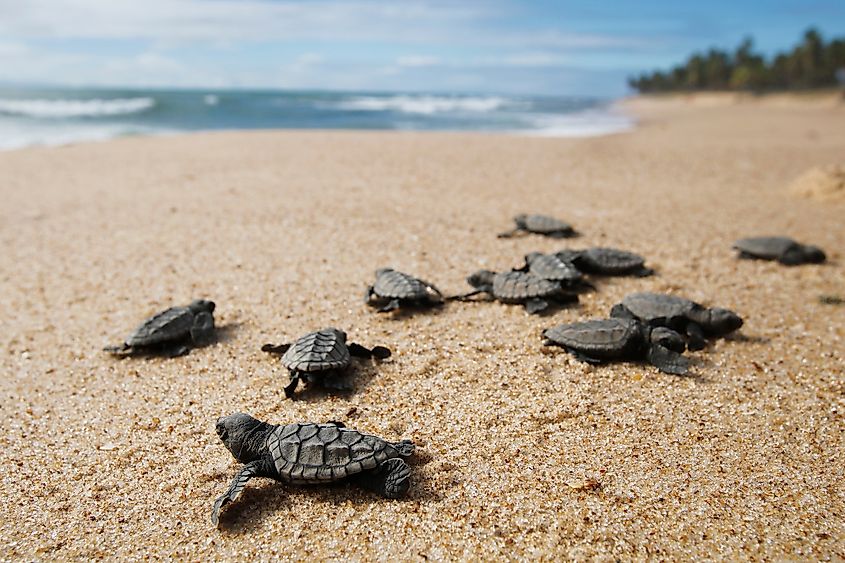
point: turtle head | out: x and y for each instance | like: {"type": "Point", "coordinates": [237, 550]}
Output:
{"type": "Point", "coordinates": [201, 306]}
{"type": "Point", "coordinates": [481, 279]}
{"type": "Point", "coordinates": [721, 321]}
{"type": "Point", "coordinates": [243, 435]}
{"type": "Point", "coordinates": [814, 254]}
{"type": "Point", "coordinates": [520, 220]}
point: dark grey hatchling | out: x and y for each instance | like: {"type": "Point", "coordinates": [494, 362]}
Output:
{"type": "Point", "coordinates": [551, 267]}
{"type": "Point", "coordinates": [172, 332]}
{"type": "Point", "coordinates": [541, 225]}
{"type": "Point", "coordinates": [604, 261]}
{"type": "Point", "coordinates": [393, 289]}
{"type": "Point", "coordinates": [309, 453]}
{"type": "Point", "coordinates": [783, 249]}
{"type": "Point", "coordinates": [532, 292]}
{"type": "Point", "coordinates": [680, 314]}
{"type": "Point", "coordinates": [321, 357]}
{"type": "Point", "coordinates": [603, 340]}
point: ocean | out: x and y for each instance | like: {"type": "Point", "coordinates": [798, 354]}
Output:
{"type": "Point", "coordinates": [61, 116]}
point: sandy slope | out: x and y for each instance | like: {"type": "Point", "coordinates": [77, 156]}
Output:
{"type": "Point", "coordinates": [283, 229]}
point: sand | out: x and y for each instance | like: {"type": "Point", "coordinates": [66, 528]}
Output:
{"type": "Point", "coordinates": [523, 452]}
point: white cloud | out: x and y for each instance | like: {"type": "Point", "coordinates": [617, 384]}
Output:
{"type": "Point", "coordinates": [411, 61]}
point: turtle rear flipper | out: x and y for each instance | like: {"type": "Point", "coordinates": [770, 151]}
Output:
{"type": "Point", "coordinates": [275, 348]}
{"type": "Point", "coordinates": [667, 361]}
{"type": "Point", "coordinates": [391, 479]}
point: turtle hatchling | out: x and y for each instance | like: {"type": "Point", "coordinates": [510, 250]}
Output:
{"type": "Point", "coordinates": [172, 332]}
{"type": "Point", "coordinates": [551, 267]}
{"type": "Point", "coordinates": [783, 249]}
{"type": "Point", "coordinates": [309, 453]}
{"type": "Point", "coordinates": [393, 289]}
{"type": "Point", "coordinates": [680, 314]}
{"type": "Point", "coordinates": [321, 357]}
{"type": "Point", "coordinates": [518, 287]}
{"type": "Point", "coordinates": [541, 225]}
{"type": "Point", "coordinates": [606, 262]}
{"type": "Point", "coordinates": [598, 341]}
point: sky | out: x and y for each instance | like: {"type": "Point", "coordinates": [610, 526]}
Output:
{"type": "Point", "coordinates": [563, 47]}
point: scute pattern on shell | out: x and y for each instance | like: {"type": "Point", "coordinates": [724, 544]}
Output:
{"type": "Point", "coordinates": [393, 284]}
{"type": "Point", "coordinates": [604, 337]}
{"type": "Point", "coordinates": [171, 324]}
{"type": "Point", "coordinates": [765, 247]}
{"type": "Point", "coordinates": [310, 453]}
{"type": "Point", "coordinates": [612, 259]}
{"type": "Point", "coordinates": [519, 286]}
{"type": "Point", "coordinates": [551, 267]}
{"type": "Point", "coordinates": [318, 351]}
{"type": "Point", "coordinates": [545, 224]}
{"type": "Point", "coordinates": [652, 306]}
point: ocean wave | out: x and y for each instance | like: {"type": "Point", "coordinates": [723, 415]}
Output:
{"type": "Point", "coordinates": [587, 123]}
{"type": "Point", "coordinates": [425, 105]}
{"type": "Point", "coordinates": [57, 109]}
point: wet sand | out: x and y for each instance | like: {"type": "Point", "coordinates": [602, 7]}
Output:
{"type": "Point", "coordinates": [523, 452]}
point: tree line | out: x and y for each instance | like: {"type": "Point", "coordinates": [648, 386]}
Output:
{"type": "Point", "coordinates": [811, 64]}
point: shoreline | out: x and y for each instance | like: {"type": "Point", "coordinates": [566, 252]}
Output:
{"type": "Point", "coordinates": [283, 230]}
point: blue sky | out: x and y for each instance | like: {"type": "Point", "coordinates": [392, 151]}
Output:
{"type": "Point", "coordinates": [506, 46]}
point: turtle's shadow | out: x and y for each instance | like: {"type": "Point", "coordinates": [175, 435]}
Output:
{"type": "Point", "coordinates": [226, 333]}
{"type": "Point", "coordinates": [407, 311]}
{"type": "Point", "coordinates": [742, 337]}
{"type": "Point", "coordinates": [359, 375]}
{"type": "Point", "coordinates": [259, 502]}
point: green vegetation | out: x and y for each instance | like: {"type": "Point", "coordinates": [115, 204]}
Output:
{"type": "Point", "coordinates": [811, 64]}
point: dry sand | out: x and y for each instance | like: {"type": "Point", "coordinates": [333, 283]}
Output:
{"type": "Point", "coordinates": [118, 458]}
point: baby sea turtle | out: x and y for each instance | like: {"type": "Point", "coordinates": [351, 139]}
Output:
{"type": "Point", "coordinates": [541, 225]}
{"type": "Point", "coordinates": [783, 249]}
{"type": "Point", "coordinates": [551, 267]}
{"type": "Point", "coordinates": [393, 289]}
{"type": "Point", "coordinates": [518, 287]}
{"type": "Point", "coordinates": [604, 261]}
{"type": "Point", "coordinates": [597, 341]}
{"type": "Point", "coordinates": [172, 332]}
{"type": "Point", "coordinates": [680, 314]}
{"type": "Point", "coordinates": [306, 453]}
{"type": "Point", "coordinates": [321, 356]}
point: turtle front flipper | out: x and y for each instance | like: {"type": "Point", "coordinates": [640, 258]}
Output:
{"type": "Point", "coordinates": [509, 234]}
{"type": "Point", "coordinates": [695, 337]}
{"type": "Point", "coordinates": [120, 350]}
{"type": "Point", "coordinates": [258, 468]}
{"type": "Point", "coordinates": [391, 479]}
{"type": "Point", "coordinates": [391, 305]}
{"type": "Point", "coordinates": [291, 387]}
{"type": "Point", "coordinates": [534, 306]}
{"type": "Point", "coordinates": [202, 331]}
{"type": "Point", "coordinates": [667, 361]}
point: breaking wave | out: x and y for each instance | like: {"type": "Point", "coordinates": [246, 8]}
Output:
{"type": "Point", "coordinates": [425, 105]}
{"type": "Point", "coordinates": [59, 109]}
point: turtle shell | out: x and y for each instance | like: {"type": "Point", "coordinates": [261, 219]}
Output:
{"type": "Point", "coordinates": [397, 285]}
{"type": "Point", "coordinates": [604, 338]}
{"type": "Point", "coordinates": [652, 307]}
{"type": "Point", "coordinates": [518, 286]}
{"type": "Point", "coordinates": [542, 224]}
{"type": "Point", "coordinates": [770, 248]}
{"type": "Point", "coordinates": [167, 326]}
{"type": "Point", "coordinates": [552, 267]}
{"type": "Point", "coordinates": [601, 260]}
{"type": "Point", "coordinates": [312, 453]}
{"type": "Point", "coordinates": [318, 351]}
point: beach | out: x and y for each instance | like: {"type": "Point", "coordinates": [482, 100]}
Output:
{"type": "Point", "coordinates": [522, 451]}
